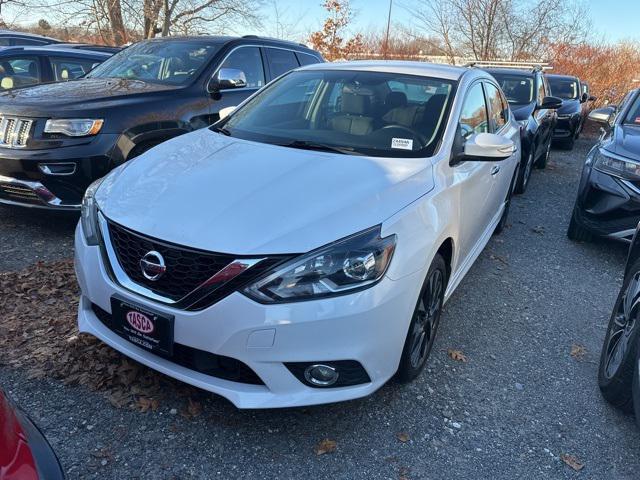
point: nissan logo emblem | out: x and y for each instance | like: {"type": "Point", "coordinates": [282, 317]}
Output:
{"type": "Point", "coordinates": [152, 265]}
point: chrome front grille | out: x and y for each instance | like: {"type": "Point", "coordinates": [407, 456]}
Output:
{"type": "Point", "coordinates": [15, 132]}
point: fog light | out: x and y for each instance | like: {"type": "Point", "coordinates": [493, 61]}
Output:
{"type": "Point", "coordinates": [321, 375]}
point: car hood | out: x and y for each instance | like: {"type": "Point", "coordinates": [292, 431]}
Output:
{"type": "Point", "coordinates": [76, 96]}
{"type": "Point", "coordinates": [625, 141]}
{"type": "Point", "coordinates": [522, 112]}
{"type": "Point", "coordinates": [223, 194]}
{"type": "Point", "coordinates": [569, 107]}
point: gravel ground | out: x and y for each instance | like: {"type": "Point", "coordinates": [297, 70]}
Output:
{"type": "Point", "coordinates": [511, 411]}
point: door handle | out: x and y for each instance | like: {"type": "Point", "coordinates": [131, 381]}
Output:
{"type": "Point", "coordinates": [495, 169]}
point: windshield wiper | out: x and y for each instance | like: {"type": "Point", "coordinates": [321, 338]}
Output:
{"type": "Point", "coordinates": [306, 145]}
{"type": "Point", "coordinates": [221, 130]}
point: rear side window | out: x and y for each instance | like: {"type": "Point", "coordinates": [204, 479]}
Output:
{"type": "Point", "coordinates": [249, 60]}
{"type": "Point", "coordinates": [281, 61]}
{"type": "Point", "coordinates": [498, 108]}
{"type": "Point", "coordinates": [306, 59]}
{"type": "Point", "coordinates": [65, 69]}
{"type": "Point", "coordinates": [19, 72]}
{"type": "Point", "coordinates": [474, 112]}
{"type": "Point", "coordinates": [28, 41]}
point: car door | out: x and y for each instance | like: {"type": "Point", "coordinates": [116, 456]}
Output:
{"type": "Point", "coordinates": [544, 117]}
{"type": "Point", "coordinates": [248, 59]}
{"type": "Point", "coordinates": [473, 180]}
{"type": "Point", "coordinates": [501, 171]}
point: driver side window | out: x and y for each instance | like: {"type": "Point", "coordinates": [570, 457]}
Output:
{"type": "Point", "coordinates": [473, 118]}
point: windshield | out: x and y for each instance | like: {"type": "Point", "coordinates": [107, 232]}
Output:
{"type": "Point", "coordinates": [633, 116]}
{"type": "Point", "coordinates": [370, 113]}
{"type": "Point", "coordinates": [517, 88]}
{"type": "Point", "coordinates": [566, 89]}
{"type": "Point", "coordinates": [167, 62]}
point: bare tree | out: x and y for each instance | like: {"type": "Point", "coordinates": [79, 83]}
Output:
{"type": "Point", "coordinates": [507, 29]}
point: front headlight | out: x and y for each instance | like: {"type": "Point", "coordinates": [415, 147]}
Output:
{"type": "Point", "coordinates": [353, 263]}
{"type": "Point", "coordinates": [89, 214]}
{"type": "Point", "coordinates": [73, 127]}
{"type": "Point", "coordinates": [618, 166]}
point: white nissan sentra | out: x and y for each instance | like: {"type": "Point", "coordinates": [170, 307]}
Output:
{"type": "Point", "coordinates": [301, 249]}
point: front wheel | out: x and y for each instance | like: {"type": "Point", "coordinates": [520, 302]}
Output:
{"type": "Point", "coordinates": [576, 231]}
{"type": "Point", "coordinates": [424, 323]}
{"type": "Point", "coordinates": [620, 349]}
{"type": "Point", "coordinates": [524, 174]}
{"type": "Point", "coordinates": [542, 162]}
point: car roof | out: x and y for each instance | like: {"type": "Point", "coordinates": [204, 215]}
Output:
{"type": "Point", "coordinates": [68, 52]}
{"type": "Point", "coordinates": [437, 70]}
{"type": "Point", "coordinates": [11, 33]}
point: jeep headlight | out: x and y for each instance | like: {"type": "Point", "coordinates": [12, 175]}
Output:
{"type": "Point", "coordinates": [616, 165]}
{"type": "Point", "coordinates": [89, 214]}
{"type": "Point", "coordinates": [73, 127]}
{"type": "Point", "coordinates": [345, 266]}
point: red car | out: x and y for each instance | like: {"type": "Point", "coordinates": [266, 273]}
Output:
{"type": "Point", "coordinates": [24, 452]}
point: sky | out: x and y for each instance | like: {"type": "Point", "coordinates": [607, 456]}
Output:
{"type": "Point", "coordinates": [615, 19]}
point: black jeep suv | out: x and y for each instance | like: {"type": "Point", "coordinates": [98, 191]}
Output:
{"type": "Point", "coordinates": [572, 113]}
{"type": "Point", "coordinates": [56, 139]}
{"type": "Point", "coordinates": [529, 96]}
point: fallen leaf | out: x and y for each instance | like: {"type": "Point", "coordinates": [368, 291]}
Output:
{"type": "Point", "coordinates": [457, 355]}
{"type": "Point", "coordinates": [193, 409]}
{"type": "Point", "coordinates": [578, 351]}
{"type": "Point", "coordinates": [572, 461]}
{"type": "Point", "coordinates": [326, 446]}
{"type": "Point", "coordinates": [538, 229]}
{"type": "Point", "coordinates": [403, 437]}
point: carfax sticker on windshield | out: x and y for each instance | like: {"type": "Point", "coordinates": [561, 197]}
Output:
{"type": "Point", "coordinates": [402, 143]}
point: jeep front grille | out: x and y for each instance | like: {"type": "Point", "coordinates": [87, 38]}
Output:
{"type": "Point", "coordinates": [14, 132]}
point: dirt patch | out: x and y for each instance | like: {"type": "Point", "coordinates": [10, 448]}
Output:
{"type": "Point", "coordinates": [39, 332]}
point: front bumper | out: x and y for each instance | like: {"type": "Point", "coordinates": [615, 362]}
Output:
{"type": "Point", "coordinates": [566, 128]}
{"type": "Point", "coordinates": [369, 327]}
{"type": "Point", "coordinates": [53, 178]}
{"type": "Point", "coordinates": [607, 205]}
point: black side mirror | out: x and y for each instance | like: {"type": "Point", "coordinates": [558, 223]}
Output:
{"type": "Point", "coordinates": [584, 97]}
{"type": "Point", "coordinates": [227, 78]}
{"type": "Point", "coordinates": [551, 103]}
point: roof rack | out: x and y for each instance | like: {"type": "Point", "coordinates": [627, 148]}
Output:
{"type": "Point", "coordinates": [535, 66]}
{"type": "Point", "coordinates": [273, 39]}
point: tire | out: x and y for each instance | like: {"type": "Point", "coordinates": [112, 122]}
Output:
{"type": "Point", "coordinates": [524, 175]}
{"type": "Point", "coordinates": [576, 231]}
{"type": "Point", "coordinates": [635, 387]}
{"type": "Point", "coordinates": [424, 322]}
{"type": "Point", "coordinates": [541, 164]}
{"type": "Point", "coordinates": [143, 147]}
{"type": "Point", "coordinates": [620, 348]}
{"type": "Point", "coordinates": [568, 143]}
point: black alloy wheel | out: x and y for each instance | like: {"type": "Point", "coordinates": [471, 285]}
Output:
{"type": "Point", "coordinates": [542, 162]}
{"type": "Point", "coordinates": [525, 174]}
{"type": "Point", "coordinates": [424, 323]}
{"type": "Point", "coordinates": [620, 349]}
